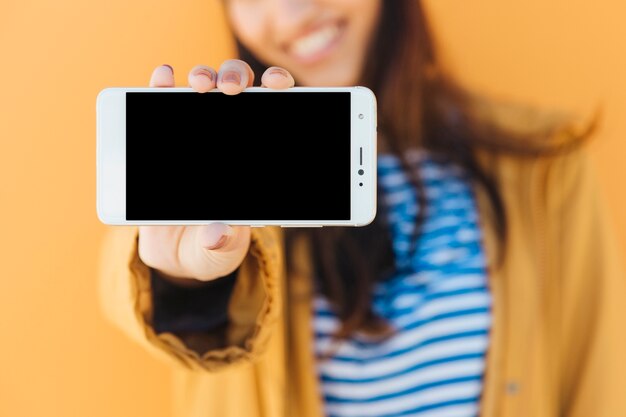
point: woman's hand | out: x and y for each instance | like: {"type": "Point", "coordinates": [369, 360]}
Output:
{"type": "Point", "coordinates": [189, 254]}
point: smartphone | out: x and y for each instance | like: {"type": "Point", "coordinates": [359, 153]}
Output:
{"type": "Point", "coordinates": [300, 157]}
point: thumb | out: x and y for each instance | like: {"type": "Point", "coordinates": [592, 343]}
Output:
{"type": "Point", "coordinates": [218, 249]}
{"type": "Point", "coordinates": [215, 236]}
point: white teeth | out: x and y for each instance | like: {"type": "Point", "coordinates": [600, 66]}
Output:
{"type": "Point", "coordinates": [315, 42]}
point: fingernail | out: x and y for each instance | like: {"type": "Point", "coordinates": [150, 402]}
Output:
{"type": "Point", "coordinates": [231, 77]}
{"type": "Point", "coordinates": [216, 236]}
{"type": "Point", "coordinates": [170, 67]}
{"type": "Point", "coordinates": [206, 73]}
{"type": "Point", "coordinates": [278, 72]}
{"type": "Point", "coordinates": [220, 243]}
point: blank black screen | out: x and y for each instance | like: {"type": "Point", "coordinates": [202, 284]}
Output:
{"type": "Point", "coordinates": [252, 156]}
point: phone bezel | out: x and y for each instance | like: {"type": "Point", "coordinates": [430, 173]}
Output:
{"type": "Point", "coordinates": [111, 157]}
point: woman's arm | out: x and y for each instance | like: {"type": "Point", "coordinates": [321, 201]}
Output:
{"type": "Point", "coordinates": [240, 314]}
{"type": "Point", "coordinates": [127, 300]}
{"type": "Point", "coordinates": [590, 268]}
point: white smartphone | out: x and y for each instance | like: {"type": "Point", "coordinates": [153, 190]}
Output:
{"type": "Point", "coordinates": [301, 157]}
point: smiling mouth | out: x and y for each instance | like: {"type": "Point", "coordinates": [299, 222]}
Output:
{"type": "Point", "coordinates": [317, 44]}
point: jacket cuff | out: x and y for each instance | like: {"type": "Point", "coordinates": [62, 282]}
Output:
{"type": "Point", "coordinates": [201, 308]}
{"type": "Point", "coordinates": [252, 311]}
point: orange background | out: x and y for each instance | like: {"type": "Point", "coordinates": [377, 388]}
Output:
{"type": "Point", "coordinates": [58, 357]}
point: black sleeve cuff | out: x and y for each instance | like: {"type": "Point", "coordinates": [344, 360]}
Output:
{"type": "Point", "coordinates": [183, 309]}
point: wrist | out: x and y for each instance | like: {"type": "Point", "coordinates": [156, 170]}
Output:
{"type": "Point", "coordinates": [180, 281]}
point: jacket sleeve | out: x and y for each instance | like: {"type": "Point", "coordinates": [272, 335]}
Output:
{"type": "Point", "coordinates": [593, 303]}
{"type": "Point", "coordinates": [126, 299]}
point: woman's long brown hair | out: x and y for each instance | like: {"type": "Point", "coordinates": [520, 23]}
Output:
{"type": "Point", "coordinates": [419, 106]}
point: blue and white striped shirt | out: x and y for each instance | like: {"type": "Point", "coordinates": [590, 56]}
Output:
{"type": "Point", "coordinates": [438, 302]}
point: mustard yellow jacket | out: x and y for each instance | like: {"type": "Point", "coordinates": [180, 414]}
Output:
{"type": "Point", "coordinates": [558, 345]}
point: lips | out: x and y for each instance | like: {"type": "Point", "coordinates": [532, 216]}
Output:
{"type": "Point", "coordinates": [317, 44]}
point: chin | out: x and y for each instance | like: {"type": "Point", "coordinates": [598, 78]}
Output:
{"type": "Point", "coordinates": [329, 79]}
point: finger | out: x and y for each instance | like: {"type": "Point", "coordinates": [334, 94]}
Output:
{"type": "Point", "coordinates": [234, 76]}
{"type": "Point", "coordinates": [162, 76]}
{"type": "Point", "coordinates": [277, 78]}
{"type": "Point", "coordinates": [183, 251]}
{"type": "Point", "coordinates": [202, 78]}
